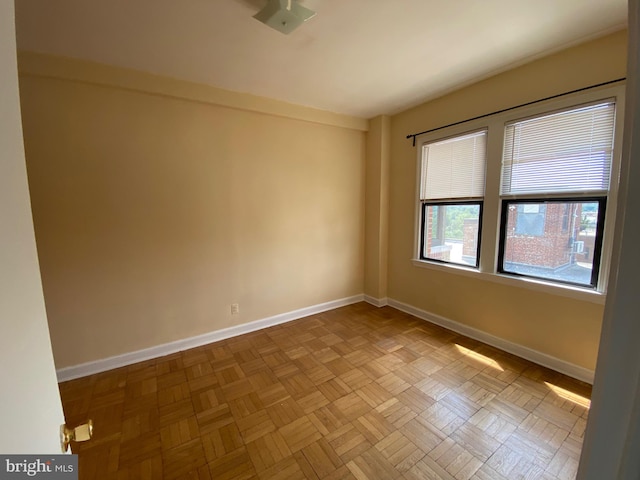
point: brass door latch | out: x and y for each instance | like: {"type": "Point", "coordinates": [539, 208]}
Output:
{"type": "Point", "coordinates": [81, 433]}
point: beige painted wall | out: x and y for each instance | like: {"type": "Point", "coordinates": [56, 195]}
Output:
{"type": "Point", "coordinates": [566, 328]}
{"type": "Point", "coordinates": [153, 214]}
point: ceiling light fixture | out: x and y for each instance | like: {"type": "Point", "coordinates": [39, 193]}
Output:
{"type": "Point", "coordinates": [284, 15]}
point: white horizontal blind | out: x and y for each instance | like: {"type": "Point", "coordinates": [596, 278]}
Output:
{"type": "Point", "coordinates": [569, 151]}
{"type": "Point", "coordinates": [454, 168]}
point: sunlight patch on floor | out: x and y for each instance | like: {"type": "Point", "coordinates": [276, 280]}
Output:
{"type": "Point", "coordinates": [568, 395]}
{"type": "Point", "coordinates": [479, 357]}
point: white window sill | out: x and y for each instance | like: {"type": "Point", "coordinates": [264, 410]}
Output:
{"type": "Point", "coordinates": [520, 282]}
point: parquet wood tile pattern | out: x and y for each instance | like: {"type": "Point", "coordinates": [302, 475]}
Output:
{"type": "Point", "coordinates": [355, 393]}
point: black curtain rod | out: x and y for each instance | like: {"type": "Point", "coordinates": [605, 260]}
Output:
{"type": "Point", "coordinates": [414, 135]}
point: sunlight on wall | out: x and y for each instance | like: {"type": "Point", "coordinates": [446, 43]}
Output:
{"type": "Point", "coordinates": [479, 357]}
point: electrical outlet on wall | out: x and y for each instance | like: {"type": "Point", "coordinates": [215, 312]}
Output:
{"type": "Point", "coordinates": [235, 309]}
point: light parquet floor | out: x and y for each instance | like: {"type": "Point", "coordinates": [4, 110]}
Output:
{"type": "Point", "coordinates": [354, 393]}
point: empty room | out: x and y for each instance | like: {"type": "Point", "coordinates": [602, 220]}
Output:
{"type": "Point", "coordinates": [273, 239]}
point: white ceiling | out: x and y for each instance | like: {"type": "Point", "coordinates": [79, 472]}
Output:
{"type": "Point", "coordinates": [358, 57]}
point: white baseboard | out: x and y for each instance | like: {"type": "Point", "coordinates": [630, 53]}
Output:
{"type": "Point", "coordinates": [376, 302]}
{"type": "Point", "coordinates": [89, 368]}
{"type": "Point", "coordinates": [521, 351]}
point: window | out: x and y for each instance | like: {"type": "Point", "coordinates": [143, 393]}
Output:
{"type": "Point", "coordinates": [559, 154]}
{"type": "Point", "coordinates": [530, 219]}
{"type": "Point", "coordinates": [451, 192]}
{"type": "Point", "coordinates": [547, 210]}
{"type": "Point", "coordinates": [549, 251]}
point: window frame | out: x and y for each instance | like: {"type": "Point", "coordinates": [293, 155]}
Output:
{"type": "Point", "coordinates": [597, 249]}
{"type": "Point", "coordinates": [445, 203]}
{"type": "Point", "coordinates": [489, 240]}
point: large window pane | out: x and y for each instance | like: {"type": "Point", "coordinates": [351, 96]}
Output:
{"type": "Point", "coordinates": [451, 232]}
{"type": "Point", "coordinates": [553, 240]}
